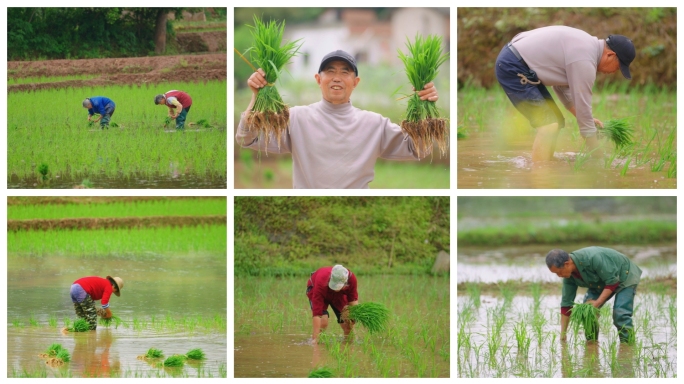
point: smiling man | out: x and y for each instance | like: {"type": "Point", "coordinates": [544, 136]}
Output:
{"type": "Point", "coordinates": [334, 144]}
{"type": "Point", "coordinates": [606, 273]}
{"type": "Point", "coordinates": [566, 59]}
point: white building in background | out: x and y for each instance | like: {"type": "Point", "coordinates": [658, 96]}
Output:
{"type": "Point", "coordinates": [359, 32]}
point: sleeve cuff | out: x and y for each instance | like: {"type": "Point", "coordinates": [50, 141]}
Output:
{"type": "Point", "coordinates": [566, 311]}
{"type": "Point", "coordinates": [612, 287]}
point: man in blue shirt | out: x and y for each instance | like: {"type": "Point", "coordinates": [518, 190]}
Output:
{"type": "Point", "coordinates": [102, 106]}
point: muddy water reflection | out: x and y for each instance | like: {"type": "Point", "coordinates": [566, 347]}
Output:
{"type": "Point", "coordinates": [170, 288]}
{"type": "Point", "coordinates": [526, 263]}
{"type": "Point", "coordinates": [654, 354]}
{"type": "Point", "coordinates": [486, 162]}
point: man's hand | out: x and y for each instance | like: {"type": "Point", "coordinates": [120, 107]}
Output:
{"type": "Point", "coordinates": [598, 123]}
{"type": "Point", "coordinates": [429, 93]}
{"type": "Point", "coordinates": [108, 314]}
{"type": "Point", "coordinates": [101, 312]}
{"type": "Point", "coordinates": [257, 80]}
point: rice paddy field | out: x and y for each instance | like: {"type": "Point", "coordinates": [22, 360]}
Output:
{"type": "Point", "coordinates": [173, 300]}
{"type": "Point", "coordinates": [509, 317]}
{"type": "Point", "coordinates": [495, 143]}
{"type": "Point", "coordinates": [273, 330]}
{"type": "Point", "coordinates": [56, 148]}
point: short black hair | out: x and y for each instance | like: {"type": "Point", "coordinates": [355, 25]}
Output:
{"type": "Point", "coordinates": [557, 258]}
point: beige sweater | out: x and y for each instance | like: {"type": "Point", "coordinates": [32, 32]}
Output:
{"type": "Point", "coordinates": [566, 59]}
{"type": "Point", "coordinates": [334, 145]}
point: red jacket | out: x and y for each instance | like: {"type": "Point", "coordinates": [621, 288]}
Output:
{"type": "Point", "coordinates": [97, 287]}
{"type": "Point", "coordinates": [321, 295]}
{"type": "Point", "coordinates": [181, 96]}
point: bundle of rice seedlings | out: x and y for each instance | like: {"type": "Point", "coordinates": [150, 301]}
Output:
{"type": "Point", "coordinates": [373, 316]}
{"type": "Point", "coordinates": [107, 322]}
{"type": "Point", "coordinates": [167, 121]}
{"type": "Point", "coordinates": [54, 349]}
{"type": "Point", "coordinates": [585, 316]}
{"type": "Point", "coordinates": [63, 355]}
{"type": "Point", "coordinates": [174, 361]}
{"type": "Point", "coordinates": [322, 372]}
{"type": "Point", "coordinates": [270, 115]}
{"type": "Point", "coordinates": [423, 123]}
{"type": "Point", "coordinates": [620, 131]}
{"type": "Point", "coordinates": [154, 353]}
{"type": "Point", "coordinates": [80, 325]}
{"type": "Point", "coordinates": [195, 354]}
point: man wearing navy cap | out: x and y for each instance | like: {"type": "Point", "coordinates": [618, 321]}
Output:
{"type": "Point", "coordinates": [333, 143]}
{"type": "Point", "coordinates": [566, 59]}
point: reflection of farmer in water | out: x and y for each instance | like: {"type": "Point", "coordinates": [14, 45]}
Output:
{"type": "Point", "coordinates": [102, 106]}
{"type": "Point", "coordinates": [86, 290]}
{"type": "Point", "coordinates": [91, 356]}
{"type": "Point", "coordinates": [334, 286]}
{"type": "Point", "coordinates": [607, 273]}
{"type": "Point", "coordinates": [179, 104]}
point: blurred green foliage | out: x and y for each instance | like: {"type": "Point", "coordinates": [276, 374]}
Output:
{"type": "Point", "coordinates": [300, 233]}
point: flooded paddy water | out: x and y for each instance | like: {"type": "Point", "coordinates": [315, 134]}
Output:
{"type": "Point", "coordinates": [509, 317]}
{"type": "Point", "coordinates": [273, 330]}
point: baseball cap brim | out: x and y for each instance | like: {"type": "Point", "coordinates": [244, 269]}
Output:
{"type": "Point", "coordinates": [625, 70]}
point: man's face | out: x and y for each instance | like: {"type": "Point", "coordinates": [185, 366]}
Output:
{"type": "Point", "coordinates": [162, 102]}
{"type": "Point", "coordinates": [609, 63]}
{"type": "Point", "coordinates": [337, 81]}
{"type": "Point", "coordinates": [565, 271]}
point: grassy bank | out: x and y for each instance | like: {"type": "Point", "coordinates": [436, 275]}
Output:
{"type": "Point", "coordinates": [175, 207]}
{"type": "Point", "coordinates": [625, 232]}
{"type": "Point", "coordinates": [119, 242]}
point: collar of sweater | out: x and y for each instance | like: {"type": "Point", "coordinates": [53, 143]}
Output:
{"type": "Point", "coordinates": [337, 109]}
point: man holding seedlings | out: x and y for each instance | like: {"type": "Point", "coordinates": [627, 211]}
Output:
{"type": "Point", "coordinates": [606, 273]}
{"type": "Point", "coordinates": [86, 290]}
{"type": "Point", "coordinates": [333, 144]}
{"type": "Point", "coordinates": [179, 104]}
{"type": "Point", "coordinates": [334, 287]}
{"type": "Point", "coordinates": [102, 106]}
{"type": "Point", "coordinates": [566, 59]}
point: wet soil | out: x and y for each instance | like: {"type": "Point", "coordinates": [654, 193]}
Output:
{"type": "Point", "coordinates": [132, 70]}
{"type": "Point", "coordinates": [114, 222]}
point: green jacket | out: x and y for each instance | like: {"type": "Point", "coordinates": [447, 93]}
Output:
{"type": "Point", "coordinates": [599, 267]}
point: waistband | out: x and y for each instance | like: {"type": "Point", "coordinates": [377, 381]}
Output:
{"type": "Point", "coordinates": [516, 53]}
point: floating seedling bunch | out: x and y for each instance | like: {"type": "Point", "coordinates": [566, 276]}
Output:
{"type": "Point", "coordinates": [585, 316]}
{"type": "Point", "coordinates": [422, 123]}
{"type": "Point", "coordinates": [619, 131]}
{"type": "Point", "coordinates": [195, 354]}
{"type": "Point", "coordinates": [174, 361]}
{"type": "Point", "coordinates": [56, 355]}
{"type": "Point", "coordinates": [373, 316]}
{"type": "Point", "coordinates": [80, 325]}
{"type": "Point", "coordinates": [270, 115]}
{"type": "Point", "coordinates": [322, 372]}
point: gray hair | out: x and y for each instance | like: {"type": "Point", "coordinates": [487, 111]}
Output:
{"type": "Point", "coordinates": [556, 258]}
{"type": "Point", "coordinates": [86, 103]}
{"type": "Point", "coordinates": [158, 99]}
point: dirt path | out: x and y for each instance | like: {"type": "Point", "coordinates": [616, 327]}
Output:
{"type": "Point", "coordinates": [114, 222]}
{"type": "Point", "coordinates": [131, 70]}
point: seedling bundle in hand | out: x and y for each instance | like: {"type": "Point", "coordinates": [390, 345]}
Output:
{"type": "Point", "coordinates": [423, 123]}
{"type": "Point", "coordinates": [373, 316]}
{"type": "Point", "coordinates": [620, 131]}
{"type": "Point", "coordinates": [585, 316]}
{"type": "Point", "coordinates": [270, 115]}
{"type": "Point", "coordinates": [107, 322]}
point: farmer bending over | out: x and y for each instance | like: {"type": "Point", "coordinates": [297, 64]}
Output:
{"type": "Point", "coordinates": [333, 144]}
{"type": "Point", "coordinates": [334, 286]}
{"type": "Point", "coordinates": [179, 104]}
{"type": "Point", "coordinates": [86, 290]}
{"type": "Point", "coordinates": [566, 59]}
{"type": "Point", "coordinates": [607, 273]}
{"type": "Point", "coordinates": [102, 106]}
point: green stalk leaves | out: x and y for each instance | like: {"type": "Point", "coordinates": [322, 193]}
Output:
{"type": "Point", "coordinates": [373, 316]}
{"type": "Point", "coordinates": [585, 316]}
{"type": "Point", "coordinates": [270, 115]}
{"type": "Point", "coordinates": [620, 131]}
{"type": "Point", "coordinates": [422, 121]}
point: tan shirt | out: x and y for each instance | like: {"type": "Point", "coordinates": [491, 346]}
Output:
{"type": "Point", "coordinates": [566, 59]}
{"type": "Point", "coordinates": [334, 145]}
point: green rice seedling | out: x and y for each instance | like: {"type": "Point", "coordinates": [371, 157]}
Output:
{"type": "Point", "coordinates": [672, 311]}
{"type": "Point", "coordinates": [625, 167]}
{"type": "Point", "coordinates": [322, 372]}
{"type": "Point", "coordinates": [507, 293]}
{"type": "Point", "coordinates": [584, 316]}
{"type": "Point", "coordinates": [462, 132]}
{"type": "Point", "coordinates": [32, 320]}
{"type": "Point", "coordinates": [167, 121]}
{"type": "Point", "coordinates": [154, 353]}
{"type": "Point", "coordinates": [270, 115]}
{"type": "Point", "coordinates": [535, 289]}
{"type": "Point", "coordinates": [522, 338]}
{"type": "Point", "coordinates": [619, 131]}
{"type": "Point", "coordinates": [80, 325]}
{"type": "Point", "coordinates": [63, 355]}
{"type": "Point", "coordinates": [373, 316]}
{"type": "Point", "coordinates": [422, 122]}
{"type": "Point", "coordinates": [107, 322]}
{"type": "Point", "coordinates": [195, 354]}
{"type": "Point", "coordinates": [16, 323]}
{"type": "Point", "coordinates": [174, 361]}
{"type": "Point", "coordinates": [54, 349]}
{"type": "Point", "coordinates": [52, 321]}
{"type": "Point", "coordinates": [204, 123]}
{"type": "Point", "coordinates": [672, 170]}
{"type": "Point", "coordinates": [474, 292]}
